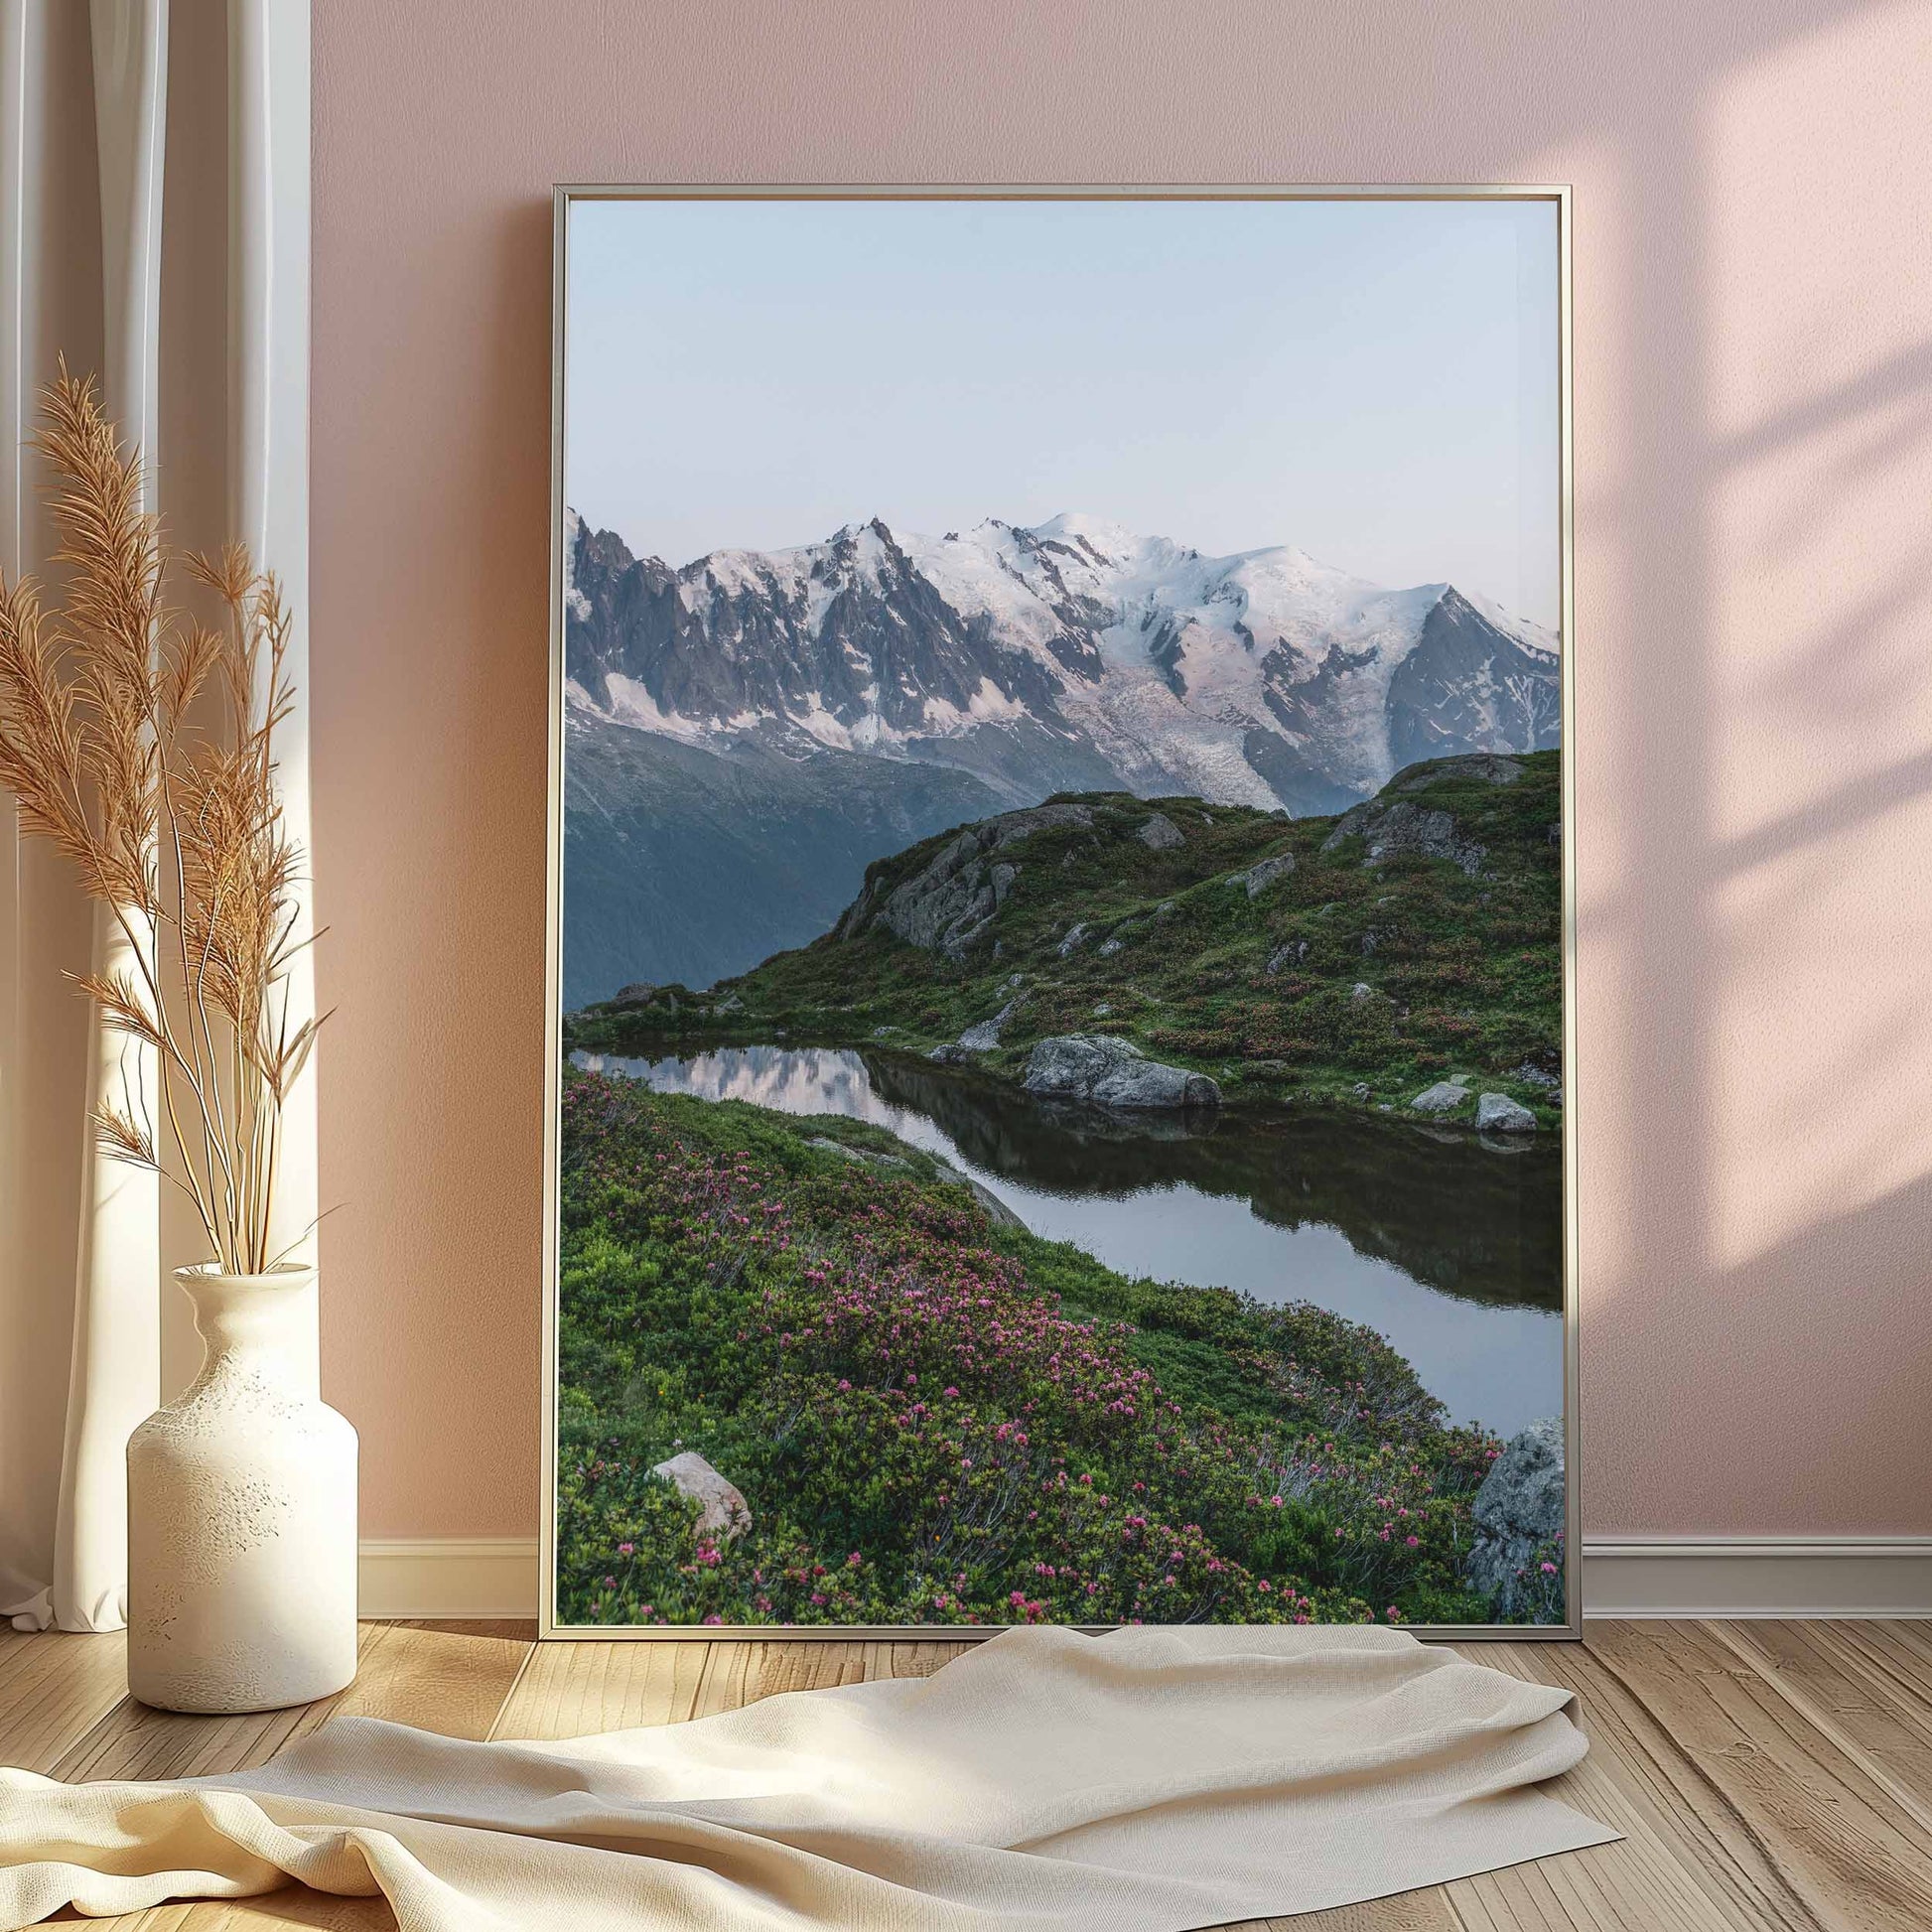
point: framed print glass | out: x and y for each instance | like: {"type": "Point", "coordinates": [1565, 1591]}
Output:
{"type": "Point", "coordinates": [1059, 910]}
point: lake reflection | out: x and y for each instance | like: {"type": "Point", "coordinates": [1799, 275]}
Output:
{"type": "Point", "coordinates": [1451, 1248]}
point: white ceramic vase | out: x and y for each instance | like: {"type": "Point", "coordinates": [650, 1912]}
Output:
{"type": "Point", "coordinates": [242, 1514]}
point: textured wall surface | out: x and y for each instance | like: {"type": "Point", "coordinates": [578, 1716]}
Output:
{"type": "Point", "coordinates": [1753, 296]}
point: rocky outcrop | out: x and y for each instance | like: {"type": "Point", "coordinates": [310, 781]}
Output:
{"type": "Point", "coordinates": [723, 1515]}
{"type": "Point", "coordinates": [996, 1211]}
{"type": "Point", "coordinates": [1533, 1076]}
{"type": "Point", "coordinates": [1401, 829]}
{"type": "Point", "coordinates": [1113, 1073]}
{"type": "Point", "coordinates": [1493, 768]}
{"type": "Point", "coordinates": [864, 1156]}
{"type": "Point", "coordinates": [944, 906]}
{"type": "Point", "coordinates": [983, 1038]}
{"type": "Point", "coordinates": [1160, 833]}
{"type": "Point", "coordinates": [1496, 1113]}
{"type": "Point", "coordinates": [1518, 1509]}
{"type": "Point", "coordinates": [996, 834]}
{"type": "Point", "coordinates": [1443, 1098]}
{"type": "Point", "coordinates": [1259, 878]}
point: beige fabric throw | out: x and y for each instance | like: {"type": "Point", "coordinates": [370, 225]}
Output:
{"type": "Point", "coordinates": [1144, 1781]}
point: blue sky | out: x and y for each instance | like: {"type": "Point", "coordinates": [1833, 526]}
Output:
{"type": "Point", "coordinates": [1375, 382]}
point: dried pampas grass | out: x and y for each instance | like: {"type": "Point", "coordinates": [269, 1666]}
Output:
{"type": "Point", "coordinates": [177, 828]}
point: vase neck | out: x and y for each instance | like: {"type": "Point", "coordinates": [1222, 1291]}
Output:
{"type": "Point", "coordinates": [259, 1319]}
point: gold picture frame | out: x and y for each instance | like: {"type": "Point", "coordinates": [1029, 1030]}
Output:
{"type": "Point", "coordinates": [564, 199]}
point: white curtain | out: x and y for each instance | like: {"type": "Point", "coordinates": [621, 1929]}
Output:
{"type": "Point", "coordinates": [154, 226]}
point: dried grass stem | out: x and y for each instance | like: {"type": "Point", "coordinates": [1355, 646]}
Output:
{"type": "Point", "coordinates": [174, 824]}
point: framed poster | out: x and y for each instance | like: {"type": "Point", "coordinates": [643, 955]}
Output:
{"type": "Point", "coordinates": [1061, 1013]}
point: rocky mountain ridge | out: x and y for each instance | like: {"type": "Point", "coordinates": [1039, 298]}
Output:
{"type": "Point", "coordinates": [1074, 654]}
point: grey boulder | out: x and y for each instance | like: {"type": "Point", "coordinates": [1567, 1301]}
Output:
{"type": "Point", "coordinates": [723, 1512]}
{"type": "Point", "coordinates": [1010, 827]}
{"type": "Point", "coordinates": [1443, 1098]}
{"type": "Point", "coordinates": [864, 1156]}
{"type": "Point", "coordinates": [1259, 878]}
{"type": "Point", "coordinates": [1113, 1073]}
{"type": "Point", "coordinates": [983, 1038]}
{"type": "Point", "coordinates": [995, 1210]}
{"type": "Point", "coordinates": [1493, 768]}
{"type": "Point", "coordinates": [1160, 833]}
{"type": "Point", "coordinates": [1518, 1509]}
{"type": "Point", "coordinates": [1496, 1113]}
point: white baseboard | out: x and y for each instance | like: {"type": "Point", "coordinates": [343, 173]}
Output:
{"type": "Point", "coordinates": [1757, 1576]}
{"type": "Point", "coordinates": [1633, 1575]}
{"type": "Point", "coordinates": [449, 1576]}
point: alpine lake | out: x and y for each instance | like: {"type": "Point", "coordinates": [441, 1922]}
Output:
{"type": "Point", "coordinates": [1447, 1242]}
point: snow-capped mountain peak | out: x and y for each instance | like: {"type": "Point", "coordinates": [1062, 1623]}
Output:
{"type": "Point", "coordinates": [1073, 650]}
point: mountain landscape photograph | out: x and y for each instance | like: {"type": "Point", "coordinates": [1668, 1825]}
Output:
{"type": "Point", "coordinates": [1063, 986]}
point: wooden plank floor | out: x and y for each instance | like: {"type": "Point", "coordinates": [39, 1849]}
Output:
{"type": "Point", "coordinates": [1766, 1775]}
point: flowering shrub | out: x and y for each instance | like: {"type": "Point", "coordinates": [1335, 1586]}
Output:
{"type": "Point", "coordinates": [940, 1421]}
{"type": "Point", "coordinates": [1536, 1594]}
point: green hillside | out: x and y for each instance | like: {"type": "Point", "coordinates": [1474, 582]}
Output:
{"type": "Point", "coordinates": [1413, 938]}
{"type": "Point", "coordinates": [934, 1418]}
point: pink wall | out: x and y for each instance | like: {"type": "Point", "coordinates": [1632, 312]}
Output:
{"type": "Point", "coordinates": [1754, 690]}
